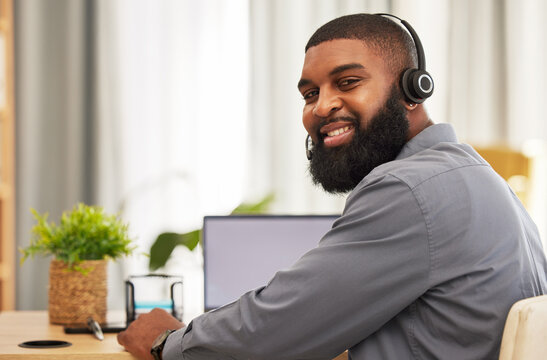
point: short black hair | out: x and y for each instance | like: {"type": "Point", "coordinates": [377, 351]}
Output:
{"type": "Point", "coordinates": [382, 35]}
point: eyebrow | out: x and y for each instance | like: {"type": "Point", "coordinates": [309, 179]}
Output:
{"type": "Point", "coordinates": [336, 70]}
{"type": "Point", "coordinates": [345, 67]}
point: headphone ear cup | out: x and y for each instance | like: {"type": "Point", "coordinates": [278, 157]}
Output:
{"type": "Point", "coordinates": [417, 85]}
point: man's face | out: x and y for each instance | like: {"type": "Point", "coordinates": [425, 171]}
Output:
{"type": "Point", "coordinates": [352, 112]}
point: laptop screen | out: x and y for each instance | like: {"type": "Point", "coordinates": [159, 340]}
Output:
{"type": "Point", "coordinates": [242, 253]}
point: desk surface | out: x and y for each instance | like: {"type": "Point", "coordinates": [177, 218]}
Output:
{"type": "Point", "coordinates": [20, 326]}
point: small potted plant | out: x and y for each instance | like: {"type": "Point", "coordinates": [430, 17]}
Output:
{"type": "Point", "coordinates": [81, 244]}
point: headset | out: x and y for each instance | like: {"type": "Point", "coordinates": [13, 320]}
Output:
{"type": "Point", "coordinates": [417, 84]}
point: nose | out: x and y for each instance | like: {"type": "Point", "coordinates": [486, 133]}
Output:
{"type": "Point", "coordinates": [326, 104]}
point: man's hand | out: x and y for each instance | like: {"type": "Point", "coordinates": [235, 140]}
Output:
{"type": "Point", "coordinates": [141, 333]}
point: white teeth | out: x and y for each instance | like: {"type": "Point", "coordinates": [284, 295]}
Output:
{"type": "Point", "coordinates": [338, 131]}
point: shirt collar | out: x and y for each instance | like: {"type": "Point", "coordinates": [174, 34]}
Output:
{"type": "Point", "coordinates": [428, 137]}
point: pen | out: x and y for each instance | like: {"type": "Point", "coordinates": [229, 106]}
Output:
{"type": "Point", "coordinates": [95, 328]}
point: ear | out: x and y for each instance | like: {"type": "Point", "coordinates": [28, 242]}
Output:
{"type": "Point", "coordinates": [410, 106]}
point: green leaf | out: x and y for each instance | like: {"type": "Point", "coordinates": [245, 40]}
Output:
{"type": "Point", "coordinates": [165, 244]}
{"type": "Point", "coordinates": [252, 209]}
{"type": "Point", "coordinates": [84, 233]}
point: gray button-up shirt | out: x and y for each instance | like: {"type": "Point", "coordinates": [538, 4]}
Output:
{"type": "Point", "coordinates": [431, 251]}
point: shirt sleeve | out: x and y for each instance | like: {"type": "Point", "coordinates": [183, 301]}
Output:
{"type": "Point", "coordinates": [372, 264]}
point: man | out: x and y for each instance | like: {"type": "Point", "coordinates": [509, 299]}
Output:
{"type": "Point", "coordinates": [431, 250]}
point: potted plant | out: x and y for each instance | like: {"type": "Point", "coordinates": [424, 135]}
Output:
{"type": "Point", "coordinates": [81, 244]}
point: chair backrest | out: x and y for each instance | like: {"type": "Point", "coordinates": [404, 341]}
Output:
{"type": "Point", "coordinates": [512, 165]}
{"type": "Point", "coordinates": [525, 332]}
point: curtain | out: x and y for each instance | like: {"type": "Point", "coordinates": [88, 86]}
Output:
{"type": "Point", "coordinates": [173, 104]}
{"type": "Point", "coordinates": [525, 76]}
{"type": "Point", "coordinates": [138, 106]}
{"type": "Point", "coordinates": [55, 147]}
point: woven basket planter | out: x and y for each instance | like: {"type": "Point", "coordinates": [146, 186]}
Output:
{"type": "Point", "coordinates": [73, 296]}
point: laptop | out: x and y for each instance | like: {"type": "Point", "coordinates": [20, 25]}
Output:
{"type": "Point", "coordinates": [243, 252]}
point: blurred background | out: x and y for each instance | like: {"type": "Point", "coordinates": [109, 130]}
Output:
{"type": "Point", "coordinates": [169, 110]}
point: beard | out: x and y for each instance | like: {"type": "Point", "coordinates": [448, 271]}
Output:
{"type": "Point", "coordinates": [338, 170]}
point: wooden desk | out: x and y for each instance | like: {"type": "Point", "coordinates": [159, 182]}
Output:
{"type": "Point", "coordinates": [20, 326]}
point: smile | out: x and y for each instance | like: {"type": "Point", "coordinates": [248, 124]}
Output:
{"type": "Point", "coordinates": [338, 131]}
{"type": "Point", "coordinates": [337, 134]}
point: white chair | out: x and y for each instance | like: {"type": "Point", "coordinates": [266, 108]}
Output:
{"type": "Point", "coordinates": [525, 332]}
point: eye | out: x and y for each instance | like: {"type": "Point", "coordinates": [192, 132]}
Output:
{"type": "Point", "coordinates": [310, 94]}
{"type": "Point", "coordinates": [348, 83]}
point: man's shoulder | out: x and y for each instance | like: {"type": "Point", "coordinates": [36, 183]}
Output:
{"type": "Point", "coordinates": [441, 159]}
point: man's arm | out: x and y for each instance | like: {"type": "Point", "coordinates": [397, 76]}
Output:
{"type": "Point", "coordinates": [368, 268]}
